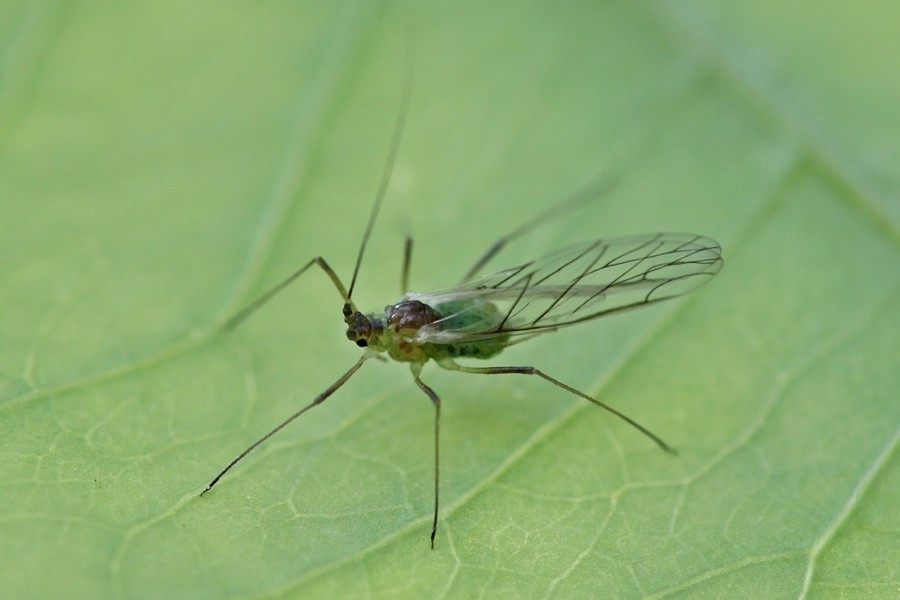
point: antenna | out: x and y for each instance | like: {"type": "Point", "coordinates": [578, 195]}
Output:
{"type": "Point", "coordinates": [388, 167]}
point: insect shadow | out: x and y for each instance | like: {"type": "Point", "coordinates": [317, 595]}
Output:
{"type": "Point", "coordinates": [484, 314]}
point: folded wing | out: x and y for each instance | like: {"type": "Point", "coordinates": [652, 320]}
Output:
{"type": "Point", "coordinates": [576, 284]}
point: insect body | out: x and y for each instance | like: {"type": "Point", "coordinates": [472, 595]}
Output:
{"type": "Point", "coordinates": [578, 284]}
{"type": "Point", "coordinates": [482, 315]}
{"type": "Point", "coordinates": [407, 326]}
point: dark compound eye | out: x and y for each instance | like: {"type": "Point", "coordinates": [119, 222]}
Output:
{"type": "Point", "coordinates": [362, 343]}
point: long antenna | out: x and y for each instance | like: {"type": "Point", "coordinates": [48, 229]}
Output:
{"type": "Point", "coordinates": [388, 164]}
{"type": "Point", "coordinates": [596, 187]}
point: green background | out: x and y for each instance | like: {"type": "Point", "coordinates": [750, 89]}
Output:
{"type": "Point", "coordinates": [160, 164]}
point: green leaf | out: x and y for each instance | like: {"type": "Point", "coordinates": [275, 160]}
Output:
{"type": "Point", "coordinates": [162, 164]}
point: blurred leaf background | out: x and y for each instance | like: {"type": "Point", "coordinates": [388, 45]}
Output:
{"type": "Point", "coordinates": [162, 163]}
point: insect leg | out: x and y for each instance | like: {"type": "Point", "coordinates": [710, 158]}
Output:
{"type": "Point", "coordinates": [435, 399]}
{"type": "Point", "coordinates": [251, 308]}
{"type": "Point", "coordinates": [316, 401]}
{"type": "Point", "coordinates": [452, 366]}
{"type": "Point", "coordinates": [407, 259]}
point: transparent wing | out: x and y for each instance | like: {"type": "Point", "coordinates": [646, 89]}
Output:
{"type": "Point", "coordinates": [572, 285]}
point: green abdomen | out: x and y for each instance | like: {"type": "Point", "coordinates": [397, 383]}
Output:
{"type": "Point", "coordinates": [469, 316]}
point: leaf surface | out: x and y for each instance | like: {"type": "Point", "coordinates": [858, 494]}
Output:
{"type": "Point", "coordinates": [161, 165]}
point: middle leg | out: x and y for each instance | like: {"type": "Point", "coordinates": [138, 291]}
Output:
{"type": "Point", "coordinates": [435, 399]}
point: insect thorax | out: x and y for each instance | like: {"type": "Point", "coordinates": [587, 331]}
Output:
{"type": "Point", "coordinates": [398, 331]}
{"type": "Point", "coordinates": [393, 332]}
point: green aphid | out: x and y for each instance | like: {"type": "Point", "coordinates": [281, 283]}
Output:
{"type": "Point", "coordinates": [482, 315]}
